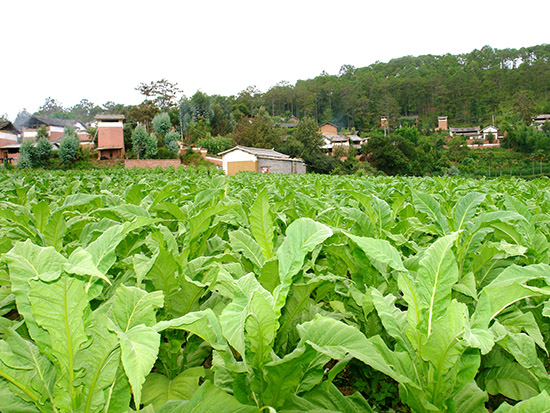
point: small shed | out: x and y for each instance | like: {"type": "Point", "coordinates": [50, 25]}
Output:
{"type": "Point", "coordinates": [242, 158]}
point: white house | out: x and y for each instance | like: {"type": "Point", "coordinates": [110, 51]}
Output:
{"type": "Point", "coordinates": [490, 130]}
{"type": "Point", "coordinates": [242, 158]}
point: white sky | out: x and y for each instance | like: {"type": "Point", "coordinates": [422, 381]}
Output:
{"type": "Point", "coordinates": [101, 50]}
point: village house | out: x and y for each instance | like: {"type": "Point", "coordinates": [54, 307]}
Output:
{"type": "Point", "coordinates": [55, 129]}
{"type": "Point", "coordinates": [110, 136]}
{"type": "Point", "coordinates": [242, 158]}
{"type": "Point", "coordinates": [9, 143]}
{"type": "Point", "coordinates": [332, 139]}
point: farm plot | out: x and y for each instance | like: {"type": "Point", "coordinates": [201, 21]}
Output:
{"type": "Point", "coordinates": [179, 291]}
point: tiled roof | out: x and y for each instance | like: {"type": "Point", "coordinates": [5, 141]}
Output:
{"type": "Point", "coordinates": [108, 116]}
{"type": "Point", "coordinates": [53, 121]}
{"type": "Point", "coordinates": [257, 151]}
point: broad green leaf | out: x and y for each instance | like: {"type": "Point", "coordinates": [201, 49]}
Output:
{"type": "Point", "coordinates": [242, 242]}
{"type": "Point", "coordinates": [60, 307]}
{"type": "Point", "coordinates": [302, 236]}
{"type": "Point", "coordinates": [471, 399]}
{"type": "Point", "coordinates": [30, 374]}
{"type": "Point", "coordinates": [81, 263]}
{"type": "Point", "coordinates": [511, 380]}
{"type": "Point", "coordinates": [393, 319]}
{"type": "Point", "coordinates": [41, 212]}
{"type": "Point", "coordinates": [261, 326]}
{"type": "Point", "coordinates": [327, 398]}
{"type": "Point", "coordinates": [139, 349]}
{"type": "Point", "coordinates": [133, 306]}
{"type": "Point", "coordinates": [427, 204]}
{"type": "Point", "coordinates": [465, 209]}
{"type": "Point", "coordinates": [158, 389]}
{"type": "Point", "coordinates": [55, 230]}
{"type": "Point", "coordinates": [210, 398]}
{"type": "Point", "coordinates": [27, 261]}
{"type": "Point", "coordinates": [379, 250]}
{"type": "Point", "coordinates": [100, 361]}
{"type": "Point", "coordinates": [536, 404]}
{"type": "Point", "coordinates": [508, 288]}
{"type": "Point", "coordinates": [103, 248]}
{"type": "Point", "coordinates": [336, 339]}
{"type": "Point", "coordinates": [261, 224]}
{"type": "Point", "coordinates": [437, 274]}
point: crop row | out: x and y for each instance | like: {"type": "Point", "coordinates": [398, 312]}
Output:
{"type": "Point", "coordinates": [185, 290]}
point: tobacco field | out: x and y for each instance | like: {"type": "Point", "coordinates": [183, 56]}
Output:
{"type": "Point", "coordinates": [187, 291]}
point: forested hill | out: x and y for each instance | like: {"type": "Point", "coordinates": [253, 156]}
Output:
{"type": "Point", "coordinates": [468, 88]}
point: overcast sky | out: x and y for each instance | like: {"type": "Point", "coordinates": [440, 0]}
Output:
{"type": "Point", "coordinates": [101, 50]}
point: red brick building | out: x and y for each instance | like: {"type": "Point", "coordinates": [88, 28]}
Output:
{"type": "Point", "coordinates": [110, 136]}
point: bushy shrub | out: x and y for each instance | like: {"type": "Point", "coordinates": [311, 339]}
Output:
{"type": "Point", "coordinates": [217, 144]}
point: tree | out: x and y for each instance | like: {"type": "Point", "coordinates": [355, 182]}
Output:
{"type": "Point", "coordinates": [68, 147]}
{"type": "Point", "coordinates": [162, 123]}
{"type": "Point", "coordinates": [257, 132]}
{"type": "Point", "coordinates": [307, 133]}
{"type": "Point", "coordinates": [52, 108]}
{"type": "Point", "coordinates": [27, 155]}
{"type": "Point", "coordinates": [171, 142]}
{"type": "Point", "coordinates": [162, 92]}
{"type": "Point", "coordinates": [144, 113]}
{"type": "Point", "coordinates": [458, 148]}
{"type": "Point", "coordinates": [139, 141]}
{"type": "Point", "coordinates": [151, 147]}
{"type": "Point", "coordinates": [22, 117]}
{"type": "Point", "coordinates": [43, 151]}
{"type": "Point", "coordinates": [390, 154]}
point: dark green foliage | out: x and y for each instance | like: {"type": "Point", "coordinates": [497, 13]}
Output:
{"type": "Point", "coordinates": [216, 144]}
{"type": "Point", "coordinates": [144, 144]}
{"type": "Point", "coordinates": [162, 123]}
{"type": "Point", "coordinates": [171, 142]}
{"type": "Point", "coordinates": [68, 147]}
{"type": "Point", "coordinates": [27, 155]}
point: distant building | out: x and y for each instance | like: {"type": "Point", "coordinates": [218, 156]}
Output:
{"type": "Point", "coordinates": [110, 136]}
{"type": "Point", "coordinates": [242, 158]}
{"type": "Point", "coordinates": [540, 120]}
{"type": "Point", "coordinates": [490, 131]}
{"type": "Point", "coordinates": [9, 143]}
{"type": "Point", "coordinates": [408, 120]}
{"type": "Point", "coordinates": [55, 128]}
{"type": "Point", "coordinates": [293, 119]}
{"type": "Point", "coordinates": [472, 132]}
{"type": "Point", "coordinates": [328, 129]}
{"type": "Point", "coordinates": [442, 123]}
{"type": "Point", "coordinates": [384, 123]}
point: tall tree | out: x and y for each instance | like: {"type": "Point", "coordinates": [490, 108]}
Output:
{"type": "Point", "coordinates": [162, 92]}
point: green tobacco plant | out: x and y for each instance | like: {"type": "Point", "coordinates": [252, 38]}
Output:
{"type": "Point", "coordinates": [64, 356]}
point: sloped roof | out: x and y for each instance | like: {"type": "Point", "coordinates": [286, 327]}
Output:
{"type": "Point", "coordinates": [51, 121]}
{"type": "Point", "coordinates": [6, 125]}
{"type": "Point", "coordinates": [108, 116]}
{"type": "Point", "coordinates": [260, 152]}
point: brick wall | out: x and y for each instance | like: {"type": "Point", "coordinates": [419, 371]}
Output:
{"type": "Point", "coordinates": [151, 163]}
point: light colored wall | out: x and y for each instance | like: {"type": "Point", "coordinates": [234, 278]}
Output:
{"type": "Point", "coordinates": [241, 166]}
{"type": "Point", "coordinates": [328, 130]}
{"type": "Point", "coordinates": [7, 138]}
{"type": "Point", "coordinates": [277, 166]}
{"type": "Point", "coordinates": [236, 156]}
